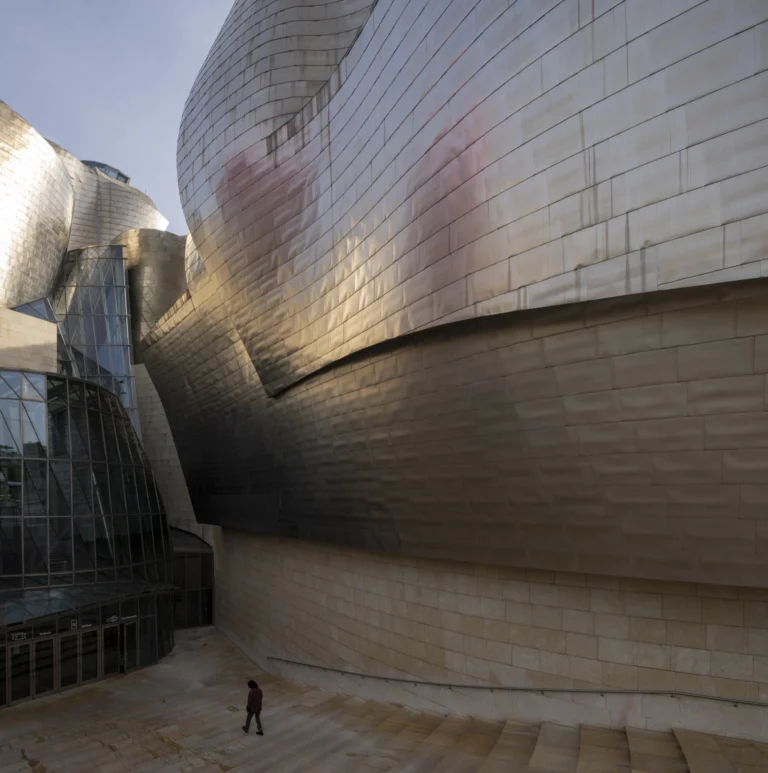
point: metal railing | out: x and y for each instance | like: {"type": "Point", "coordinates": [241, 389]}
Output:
{"type": "Point", "coordinates": [534, 690]}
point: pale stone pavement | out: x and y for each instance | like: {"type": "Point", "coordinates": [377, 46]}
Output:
{"type": "Point", "coordinates": [185, 715]}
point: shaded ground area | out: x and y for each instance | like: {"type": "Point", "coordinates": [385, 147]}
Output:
{"type": "Point", "coordinates": [185, 715]}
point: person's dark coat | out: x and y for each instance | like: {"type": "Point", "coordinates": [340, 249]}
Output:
{"type": "Point", "coordinates": [254, 701]}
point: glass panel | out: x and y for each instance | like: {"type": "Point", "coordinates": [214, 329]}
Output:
{"type": "Point", "coordinates": [34, 429]}
{"type": "Point", "coordinates": [89, 648]}
{"type": "Point", "coordinates": [43, 666]}
{"type": "Point", "coordinates": [75, 393]}
{"type": "Point", "coordinates": [141, 490]}
{"type": "Point", "coordinates": [79, 434]}
{"type": "Point", "coordinates": [60, 535]}
{"type": "Point", "coordinates": [21, 671]}
{"type": "Point", "coordinates": [10, 487]}
{"type": "Point", "coordinates": [68, 661]}
{"type": "Point", "coordinates": [82, 499]}
{"type": "Point", "coordinates": [104, 540]}
{"type": "Point", "coordinates": [95, 434]}
{"type": "Point", "coordinates": [129, 608]}
{"type": "Point", "coordinates": [57, 391]}
{"type": "Point", "coordinates": [122, 544]}
{"type": "Point", "coordinates": [111, 650]}
{"type": "Point", "coordinates": [33, 386]}
{"type": "Point", "coordinates": [129, 481]}
{"type": "Point", "coordinates": [116, 486]}
{"type": "Point", "coordinates": [10, 427]}
{"type": "Point", "coordinates": [35, 487]}
{"type": "Point", "coordinates": [101, 489]}
{"type": "Point", "coordinates": [10, 546]}
{"type": "Point", "coordinates": [131, 646]}
{"type": "Point", "coordinates": [149, 545]}
{"type": "Point", "coordinates": [58, 430]}
{"type": "Point", "coordinates": [110, 613]}
{"type": "Point", "coordinates": [84, 543]}
{"type": "Point", "coordinates": [110, 439]}
{"type": "Point", "coordinates": [35, 546]}
{"type": "Point", "coordinates": [135, 533]}
{"type": "Point", "coordinates": [59, 489]}
{"type": "Point", "coordinates": [10, 384]}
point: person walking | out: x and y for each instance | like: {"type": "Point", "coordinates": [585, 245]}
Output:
{"type": "Point", "coordinates": [253, 707]}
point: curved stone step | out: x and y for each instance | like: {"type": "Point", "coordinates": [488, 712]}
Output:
{"type": "Point", "coordinates": [603, 751]}
{"type": "Point", "coordinates": [513, 749]}
{"type": "Point", "coordinates": [652, 751]}
{"type": "Point", "coordinates": [702, 753]}
{"type": "Point", "coordinates": [557, 750]}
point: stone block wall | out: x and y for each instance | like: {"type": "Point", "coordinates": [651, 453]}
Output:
{"type": "Point", "coordinates": [27, 343]}
{"type": "Point", "coordinates": [442, 621]}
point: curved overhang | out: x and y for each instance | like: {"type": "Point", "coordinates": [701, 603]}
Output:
{"type": "Point", "coordinates": [36, 205]}
{"type": "Point", "coordinates": [459, 165]}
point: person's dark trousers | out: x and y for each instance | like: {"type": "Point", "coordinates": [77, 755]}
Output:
{"type": "Point", "coordinates": [247, 727]}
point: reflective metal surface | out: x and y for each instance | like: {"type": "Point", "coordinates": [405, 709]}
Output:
{"type": "Point", "coordinates": [36, 201]}
{"type": "Point", "coordinates": [156, 275]}
{"type": "Point", "coordinates": [193, 264]}
{"type": "Point", "coordinates": [469, 158]}
{"type": "Point", "coordinates": [105, 207]}
{"type": "Point", "coordinates": [625, 437]}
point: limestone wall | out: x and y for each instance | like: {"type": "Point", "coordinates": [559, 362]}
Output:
{"type": "Point", "coordinates": [27, 343]}
{"type": "Point", "coordinates": [466, 623]}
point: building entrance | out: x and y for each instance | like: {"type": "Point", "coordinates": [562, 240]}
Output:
{"type": "Point", "coordinates": [77, 648]}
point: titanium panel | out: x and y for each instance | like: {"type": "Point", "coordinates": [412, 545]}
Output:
{"type": "Point", "coordinates": [626, 437]}
{"type": "Point", "coordinates": [36, 204]}
{"type": "Point", "coordinates": [468, 158]}
{"type": "Point", "coordinates": [105, 207]}
{"type": "Point", "coordinates": [154, 261]}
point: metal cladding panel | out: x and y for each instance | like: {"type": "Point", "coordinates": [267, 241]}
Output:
{"type": "Point", "coordinates": [469, 158]}
{"type": "Point", "coordinates": [626, 437]}
{"type": "Point", "coordinates": [156, 278]}
{"type": "Point", "coordinates": [36, 202]}
{"type": "Point", "coordinates": [105, 207]}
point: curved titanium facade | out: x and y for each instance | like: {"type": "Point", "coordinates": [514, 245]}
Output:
{"type": "Point", "coordinates": [105, 207]}
{"type": "Point", "coordinates": [479, 158]}
{"type": "Point", "coordinates": [78, 502]}
{"type": "Point", "coordinates": [193, 265]}
{"type": "Point", "coordinates": [154, 261]}
{"type": "Point", "coordinates": [36, 201]}
{"type": "Point", "coordinates": [626, 437]}
{"type": "Point", "coordinates": [466, 166]}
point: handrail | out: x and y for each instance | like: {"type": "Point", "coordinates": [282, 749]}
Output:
{"type": "Point", "coordinates": [541, 690]}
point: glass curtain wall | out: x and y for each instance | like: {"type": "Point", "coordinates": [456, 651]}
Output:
{"type": "Point", "coordinates": [78, 501]}
{"type": "Point", "coordinates": [91, 306]}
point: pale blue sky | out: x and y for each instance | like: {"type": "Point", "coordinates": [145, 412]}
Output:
{"type": "Point", "coordinates": [107, 79]}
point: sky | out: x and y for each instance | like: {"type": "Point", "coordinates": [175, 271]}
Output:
{"type": "Point", "coordinates": [107, 79]}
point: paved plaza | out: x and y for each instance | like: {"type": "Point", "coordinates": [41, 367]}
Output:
{"type": "Point", "coordinates": [185, 715]}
